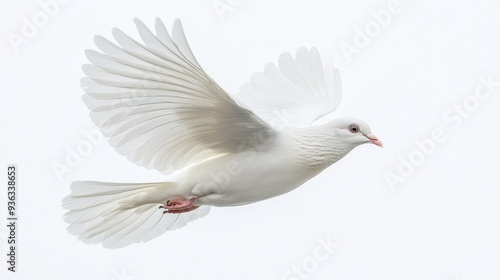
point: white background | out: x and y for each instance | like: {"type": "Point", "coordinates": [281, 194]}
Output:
{"type": "Point", "coordinates": [442, 222]}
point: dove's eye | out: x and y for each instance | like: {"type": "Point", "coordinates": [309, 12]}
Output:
{"type": "Point", "coordinates": [354, 128]}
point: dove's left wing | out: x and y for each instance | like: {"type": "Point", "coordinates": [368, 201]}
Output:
{"type": "Point", "coordinates": [297, 92]}
{"type": "Point", "coordinates": [158, 107]}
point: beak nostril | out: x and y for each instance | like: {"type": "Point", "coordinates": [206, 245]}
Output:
{"type": "Point", "coordinates": [374, 140]}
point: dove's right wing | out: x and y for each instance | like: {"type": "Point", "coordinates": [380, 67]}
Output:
{"type": "Point", "coordinates": [296, 92]}
{"type": "Point", "coordinates": [158, 107]}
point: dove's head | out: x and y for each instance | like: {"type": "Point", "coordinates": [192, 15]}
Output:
{"type": "Point", "coordinates": [353, 131]}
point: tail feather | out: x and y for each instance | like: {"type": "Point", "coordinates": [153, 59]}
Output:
{"type": "Point", "coordinates": [117, 215]}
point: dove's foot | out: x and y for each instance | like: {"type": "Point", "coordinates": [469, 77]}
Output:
{"type": "Point", "coordinates": [179, 205]}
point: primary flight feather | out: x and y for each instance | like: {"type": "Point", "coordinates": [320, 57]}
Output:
{"type": "Point", "coordinates": [160, 109]}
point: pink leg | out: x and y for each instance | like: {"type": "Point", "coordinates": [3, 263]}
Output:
{"type": "Point", "coordinates": [179, 205]}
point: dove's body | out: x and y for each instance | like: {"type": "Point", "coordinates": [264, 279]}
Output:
{"type": "Point", "coordinates": [239, 179]}
{"type": "Point", "coordinates": [255, 175]}
{"type": "Point", "coordinates": [162, 111]}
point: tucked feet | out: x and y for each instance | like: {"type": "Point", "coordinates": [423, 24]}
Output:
{"type": "Point", "coordinates": [179, 205]}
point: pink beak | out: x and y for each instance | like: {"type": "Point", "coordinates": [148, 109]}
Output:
{"type": "Point", "coordinates": [375, 140]}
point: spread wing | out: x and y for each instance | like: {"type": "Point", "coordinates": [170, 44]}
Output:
{"type": "Point", "coordinates": [157, 105]}
{"type": "Point", "coordinates": [296, 92]}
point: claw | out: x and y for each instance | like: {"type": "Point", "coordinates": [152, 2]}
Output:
{"type": "Point", "coordinates": [178, 206]}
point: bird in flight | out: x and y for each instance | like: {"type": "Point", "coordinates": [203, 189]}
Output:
{"type": "Point", "coordinates": [162, 111]}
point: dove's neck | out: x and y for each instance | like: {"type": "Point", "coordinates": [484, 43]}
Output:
{"type": "Point", "coordinates": [317, 148]}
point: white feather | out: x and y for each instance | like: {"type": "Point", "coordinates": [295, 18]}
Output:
{"type": "Point", "coordinates": [156, 104]}
{"type": "Point", "coordinates": [296, 93]}
{"type": "Point", "coordinates": [161, 110]}
{"type": "Point", "coordinates": [118, 215]}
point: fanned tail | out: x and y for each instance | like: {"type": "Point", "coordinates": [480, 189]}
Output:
{"type": "Point", "coordinates": [118, 215]}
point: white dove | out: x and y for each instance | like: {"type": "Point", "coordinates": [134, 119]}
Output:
{"type": "Point", "coordinates": [162, 111]}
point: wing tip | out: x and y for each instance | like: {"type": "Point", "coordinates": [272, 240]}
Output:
{"type": "Point", "coordinates": [158, 21]}
{"type": "Point", "coordinates": [178, 22]}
